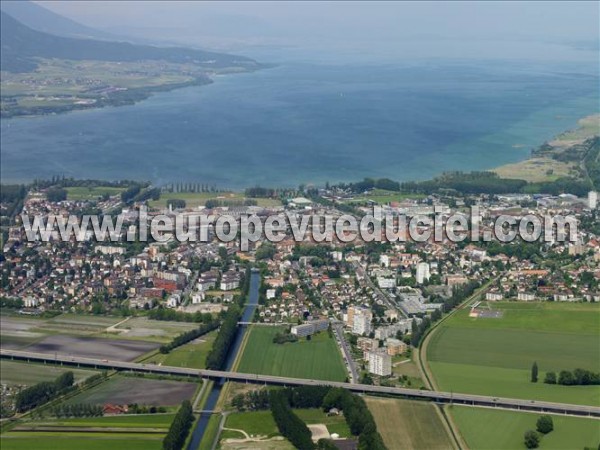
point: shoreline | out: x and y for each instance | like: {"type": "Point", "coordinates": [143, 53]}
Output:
{"type": "Point", "coordinates": [126, 97]}
{"type": "Point", "coordinates": [540, 166]}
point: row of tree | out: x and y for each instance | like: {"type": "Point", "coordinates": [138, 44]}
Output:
{"type": "Point", "coordinates": [190, 187]}
{"type": "Point", "coordinates": [13, 303]}
{"type": "Point", "coordinates": [180, 427]}
{"type": "Point", "coordinates": [42, 392]}
{"type": "Point", "coordinates": [77, 410]}
{"type": "Point", "coordinates": [217, 357]}
{"type": "Point", "coordinates": [577, 377]}
{"type": "Point", "coordinates": [459, 294]}
{"type": "Point", "coordinates": [188, 336]}
{"type": "Point", "coordinates": [358, 417]}
{"type": "Point", "coordinates": [281, 401]}
{"type": "Point", "coordinates": [179, 316]}
{"type": "Point", "coordinates": [288, 423]}
{"type": "Point", "coordinates": [139, 193]}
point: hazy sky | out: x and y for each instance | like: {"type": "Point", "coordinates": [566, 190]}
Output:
{"type": "Point", "coordinates": [339, 23]}
{"type": "Point", "coordinates": [547, 19]}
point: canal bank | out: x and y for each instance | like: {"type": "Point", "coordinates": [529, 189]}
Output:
{"type": "Point", "coordinates": [213, 397]}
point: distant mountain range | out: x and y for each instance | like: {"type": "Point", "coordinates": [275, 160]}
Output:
{"type": "Point", "coordinates": [42, 19]}
{"type": "Point", "coordinates": [21, 45]}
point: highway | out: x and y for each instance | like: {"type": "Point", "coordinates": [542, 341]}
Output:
{"type": "Point", "coordinates": [440, 397]}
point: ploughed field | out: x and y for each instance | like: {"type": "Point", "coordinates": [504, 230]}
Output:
{"type": "Point", "coordinates": [102, 337]}
{"type": "Point", "coordinates": [493, 356]}
{"type": "Point", "coordinates": [124, 390]}
{"type": "Point", "coordinates": [88, 347]}
{"type": "Point", "coordinates": [319, 358]}
{"type": "Point", "coordinates": [406, 424]}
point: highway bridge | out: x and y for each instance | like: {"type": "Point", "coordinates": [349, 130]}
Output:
{"type": "Point", "coordinates": [440, 397]}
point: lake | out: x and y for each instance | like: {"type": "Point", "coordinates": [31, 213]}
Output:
{"type": "Point", "coordinates": [303, 122]}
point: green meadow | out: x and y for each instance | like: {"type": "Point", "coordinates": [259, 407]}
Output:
{"type": "Point", "coordinates": [319, 358]}
{"type": "Point", "coordinates": [494, 356]}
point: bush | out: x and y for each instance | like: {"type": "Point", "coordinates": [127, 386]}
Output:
{"type": "Point", "coordinates": [532, 439]}
{"type": "Point", "coordinates": [550, 378]}
{"type": "Point", "coordinates": [545, 424]}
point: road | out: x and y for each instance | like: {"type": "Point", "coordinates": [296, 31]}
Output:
{"type": "Point", "coordinates": [440, 397]}
{"type": "Point", "coordinates": [338, 329]}
{"type": "Point", "coordinates": [378, 294]}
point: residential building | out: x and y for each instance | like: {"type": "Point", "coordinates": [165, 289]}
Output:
{"type": "Point", "coordinates": [395, 346]}
{"type": "Point", "coordinates": [593, 199]}
{"type": "Point", "coordinates": [310, 328]}
{"type": "Point", "coordinates": [380, 363]}
{"type": "Point", "coordinates": [362, 322]}
{"type": "Point", "coordinates": [422, 272]}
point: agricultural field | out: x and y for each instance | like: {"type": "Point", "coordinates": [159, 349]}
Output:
{"type": "Point", "coordinates": [405, 424]}
{"type": "Point", "coordinates": [20, 373]}
{"type": "Point", "coordinates": [494, 356]}
{"type": "Point", "coordinates": [491, 429]}
{"type": "Point", "coordinates": [124, 390]}
{"type": "Point", "coordinates": [81, 193]}
{"type": "Point", "coordinates": [111, 349]}
{"type": "Point", "coordinates": [196, 199]}
{"type": "Point", "coordinates": [78, 441]}
{"type": "Point", "coordinates": [192, 355]}
{"type": "Point", "coordinates": [319, 358]}
{"type": "Point", "coordinates": [142, 328]}
{"type": "Point", "coordinates": [144, 431]}
{"type": "Point", "coordinates": [18, 331]}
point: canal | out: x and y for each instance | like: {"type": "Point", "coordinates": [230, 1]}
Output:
{"type": "Point", "coordinates": [213, 397]}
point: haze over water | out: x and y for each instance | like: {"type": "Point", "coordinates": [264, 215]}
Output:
{"type": "Point", "coordinates": [311, 122]}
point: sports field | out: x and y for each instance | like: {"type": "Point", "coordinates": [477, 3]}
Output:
{"type": "Point", "coordinates": [91, 193]}
{"type": "Point", "coordinates": [319, 358]}
{"type": "Point", "coordinates": [494, 356]}
{"type": "Point", "coordinates": [405, 424]}
{"type": "Point", "coordinates": [492, 429]}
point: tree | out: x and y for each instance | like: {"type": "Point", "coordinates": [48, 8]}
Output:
{"type": "Point", "coordinates": [565, 378]}
{"type": "Point", "coordinates": [534, 372]}
{"type": "Point", "coordinates": [550, 378]}
{"type": "Point", "coordinates": [56, 194]}
{"type": "Point", "coordinates": [532, 439]}
{"type": "Point", "coordinates": [545, 424]}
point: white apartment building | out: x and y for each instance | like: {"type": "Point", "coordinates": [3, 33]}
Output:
{"type": "Point", "coordinates": [380, 363]}
{"type": "Point", "coordinates": [593, 199]}
{"type": "Point", "coordinates": [362, 322]}
{"type": "Point", "coordinates": [422, 272]}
